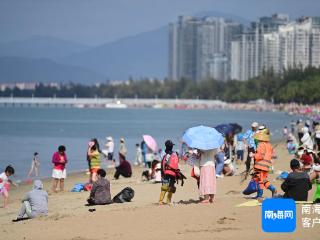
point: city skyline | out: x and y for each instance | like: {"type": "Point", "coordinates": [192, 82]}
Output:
{"type": "Point", "coordinates": [222, 49]}
{"type": "Point", "coordinates": [97, 22]}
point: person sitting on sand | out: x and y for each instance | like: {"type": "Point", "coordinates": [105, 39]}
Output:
{"type": "Point", "coordinates": [5, 183]}
{"type": "Point", "coordinates": [59, 173]}
{"type": "Point", "coordinates": [297, 184]}
{"type": "Point", "coordinates": [124, 169]}
{"type": "Point", "coordinates": [34, 203]}
{"type": "Point", "coordinates": [100, 192]}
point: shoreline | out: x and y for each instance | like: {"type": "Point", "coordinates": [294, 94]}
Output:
{"type": "Point", "coordinates": [143, 218]}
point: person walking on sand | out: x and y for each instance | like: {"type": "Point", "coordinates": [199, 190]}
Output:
{"type": "Point", "coordinates": [93, 154]}
{"type": "Point", "coordinates": [169, 166]}
{"type": "Point", "coordinates": [35, 164]}
{"type": "Point", "coordinates": [249, 141]}
{"type": "Point", "coordinates": [5, 183]}
{"type": "Point", "coordinates": [59, 172]}
{"type": "Point", "coordinates": [34, 203]}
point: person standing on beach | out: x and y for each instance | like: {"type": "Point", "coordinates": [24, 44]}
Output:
{"type": "Point", "coordinates": [144, 150]}
{"type": "Point", "coordinates": [93, 154]}
{"type": "Point", "coordinates": [109, 149]}
{"type": "Point", "coordinates": [248, 139]}
{"type": "Point", "coordinates": [169, 166]}
{"type": "Point", "coordinates": [35, 165]}
{"type": "Point", "coordinates": [138, 158]}
{"type": "Point", "coordinates": [207, 185]}
{"type": "Point", "coordinates": [59, 172]}
{"type": "Point", "coordinates": [123, 149]}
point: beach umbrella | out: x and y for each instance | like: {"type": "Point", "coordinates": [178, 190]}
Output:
{"type": "Point", "coordinates": [225, 129]}
{"type": "Point", "coordinates": [202, 137]}
{"type": "Point", "coordinates": [236, 128]}
{"type": "Point", "coordinates": [151, 143]}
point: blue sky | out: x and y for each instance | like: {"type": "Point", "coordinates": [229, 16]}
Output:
{"type": "Point", "coordinates": [94, 22]}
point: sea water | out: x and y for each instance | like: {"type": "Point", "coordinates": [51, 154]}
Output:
{"type": "Point", "coordinates": [25, 130]}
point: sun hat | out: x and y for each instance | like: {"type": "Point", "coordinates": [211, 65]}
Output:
{"type": "Point", "coordinates": [262, 136]}
{"type": "Point", "coordinates": [109, 138]}
{"type": "Point", "coordinates": [255, 124]}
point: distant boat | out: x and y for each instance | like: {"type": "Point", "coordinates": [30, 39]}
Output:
{"type": "Point", "coordinates": [116, 104]}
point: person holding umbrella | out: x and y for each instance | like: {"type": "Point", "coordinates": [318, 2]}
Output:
{"type": "Point", "coordinates": [207, 140]}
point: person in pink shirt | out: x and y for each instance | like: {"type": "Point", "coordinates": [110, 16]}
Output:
{"type": "Point", "coordinates": [59, 160]}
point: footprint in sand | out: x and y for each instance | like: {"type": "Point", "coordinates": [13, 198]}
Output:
{"type": "Point", "coordinates": [226, 220]}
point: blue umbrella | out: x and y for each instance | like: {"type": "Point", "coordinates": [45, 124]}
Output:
{"type": "Point", "coordinates": [224, 129]}
{"type": "Point", "coordinates": [204, 138]}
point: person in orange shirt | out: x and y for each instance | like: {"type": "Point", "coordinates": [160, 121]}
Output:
{"type": "Point", "coordinates": [263, 162]}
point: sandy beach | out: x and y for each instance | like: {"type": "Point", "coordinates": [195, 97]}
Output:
{"type": "Point", "coordinates": [142, 218]}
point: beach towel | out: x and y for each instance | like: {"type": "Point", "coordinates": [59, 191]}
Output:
{"type": "Point", "coordinates": [78, 187]}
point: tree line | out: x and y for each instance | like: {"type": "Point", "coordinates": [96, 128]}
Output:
{"type": "Point", "coordinates": [293, 85]}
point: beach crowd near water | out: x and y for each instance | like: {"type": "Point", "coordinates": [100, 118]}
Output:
{"type": "Point", "coordinates": [212, 154]}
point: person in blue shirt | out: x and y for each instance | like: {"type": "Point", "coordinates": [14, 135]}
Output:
{"type": "Point", "coordinates": [248, 139]}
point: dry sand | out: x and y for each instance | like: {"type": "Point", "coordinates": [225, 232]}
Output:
{"type": "Point", "coordinates": [144, 219]}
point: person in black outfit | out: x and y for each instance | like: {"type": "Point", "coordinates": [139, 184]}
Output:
{"type": "Point", "coordinates": [298, 183]}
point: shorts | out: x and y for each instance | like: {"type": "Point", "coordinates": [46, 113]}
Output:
{"type": "Point", "coordinates": [3, 191]}
{"type": "Point", "coordinates": [59, 174]}
{"type": "Point", "coordinates": [110, 156]}
{"type": "Point", "coordinates": [240, 154]}
{"type": "Point", "coordinates": [94, 170]}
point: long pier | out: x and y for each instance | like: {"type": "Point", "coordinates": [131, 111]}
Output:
{"type": "Point", "coordinates": [109, 102]}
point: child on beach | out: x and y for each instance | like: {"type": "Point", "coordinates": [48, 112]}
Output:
{"type": "Point", "coordinates": [169, 167]}
{"type": "Point", "coordinates": [59, 172]}
{"type": "Point", "coordinates": [138, 158]}
{"type": "Point", "coordinates": [263, 162]}
{"type": "Point", "coordinates": [5, 183]}
{"type": "Point", "coordinates": [100, 192]}
{"type": "Point", "coordinates": [240, 146]}
{"type": "Point", "coordinates": [93, 155]}
{"type": "Point", "coordinates": [35, 165]}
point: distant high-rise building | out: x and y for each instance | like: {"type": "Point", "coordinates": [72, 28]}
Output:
{"type": "Point", "coordinates": [197, 45]}
{"type": "Point", "coordinates": [221, 49]}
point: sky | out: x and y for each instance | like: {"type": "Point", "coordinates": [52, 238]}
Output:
{"type": "Point", "coordinates": [94, 22]}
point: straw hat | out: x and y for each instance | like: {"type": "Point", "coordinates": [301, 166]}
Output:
{"type": "Point", "coordinates": [262, 136]}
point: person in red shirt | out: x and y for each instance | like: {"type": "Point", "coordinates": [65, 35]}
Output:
{"type": "Point", "coordinates": [59, 160]}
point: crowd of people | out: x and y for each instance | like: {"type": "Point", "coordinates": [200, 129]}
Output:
{"type": "Point", "coordinates": [252, 149]}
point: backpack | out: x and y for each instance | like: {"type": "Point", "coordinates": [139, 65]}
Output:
{"type": "Point", "coordinates": [125, 195]}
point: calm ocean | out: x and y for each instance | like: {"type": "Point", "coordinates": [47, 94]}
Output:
{"type": "Point", "coordinates": [26, 130]}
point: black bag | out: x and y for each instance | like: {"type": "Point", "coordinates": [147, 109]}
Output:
{"type": "Point", "coordinates": [125, 195]}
